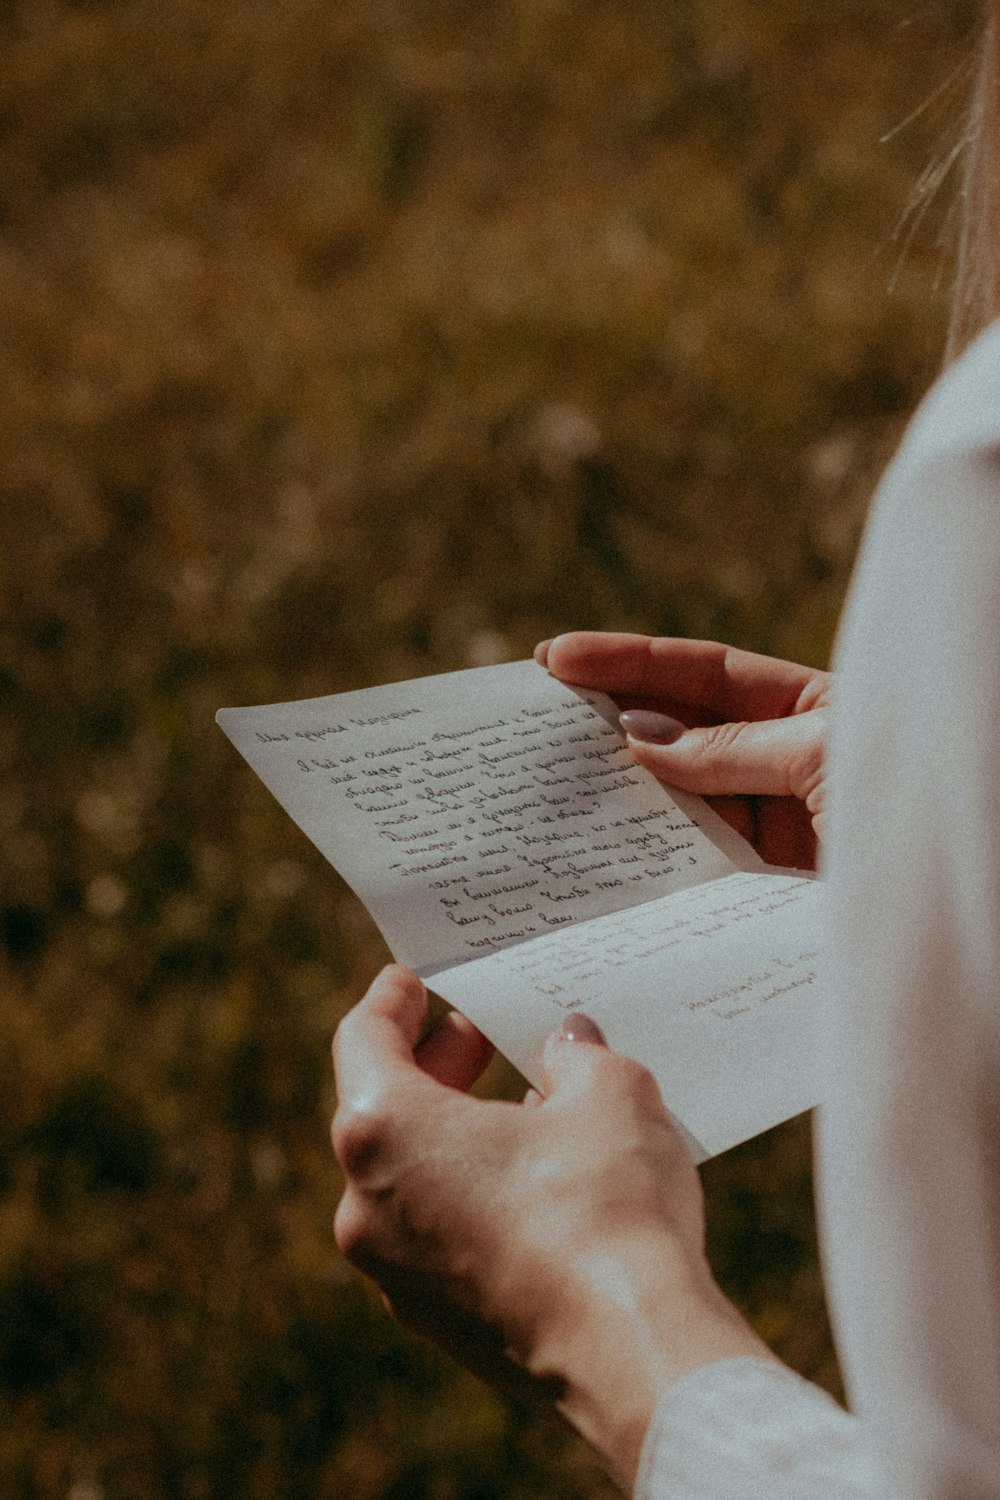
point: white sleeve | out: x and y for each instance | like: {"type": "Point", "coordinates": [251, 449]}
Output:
{"type": "Point", "coordinates": [909, 1142]}
{"type": "Point", "coordinates": [909, 1139]}
{"type": "Point", "coordinates": [751, 1429]}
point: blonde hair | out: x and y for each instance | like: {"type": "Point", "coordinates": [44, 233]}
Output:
{"type": "Point", "coordinates": [976, 299]}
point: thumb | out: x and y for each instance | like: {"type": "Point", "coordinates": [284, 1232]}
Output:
{"type": "Point", "coordinates": [768, 757]}
{"type": "Point", "coordinates": [570, 1048]}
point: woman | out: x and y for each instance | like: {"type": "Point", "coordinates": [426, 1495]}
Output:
{"type": "Point", "coordinates": [557, 1247]}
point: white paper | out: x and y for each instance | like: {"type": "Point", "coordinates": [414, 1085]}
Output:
{"type": "Point", "coordinates": [511, 851]}
{"type": "Point", "coordinates": [479, 809]}
{"type": "Point", "coordinates": [713, 989]}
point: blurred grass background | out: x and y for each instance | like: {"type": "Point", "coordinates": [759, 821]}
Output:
{"type": "Point", "coordinates": [342, 341]}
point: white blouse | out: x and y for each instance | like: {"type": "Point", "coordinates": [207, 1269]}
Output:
{"type": "Point", "coordinates": [908, 1142]}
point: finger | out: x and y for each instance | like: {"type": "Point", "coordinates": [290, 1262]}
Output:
{"type": "Point", "coordinates": [578, 1034]}
{"type": "Point", "coordinates": [541, 653]}
{"type": "Point", "coordinates": [375, 1040]}
{"type": "Point", "coordinates": [709, 677]}
{"type": "Point", "coordinates": [455, 1052]}
{"type": "Point", "coordinates": [580, 1028]}
{"type": "Point", "coordinates": [580, 1070]}
{"type": "Point", "coordinates": [777, 757]}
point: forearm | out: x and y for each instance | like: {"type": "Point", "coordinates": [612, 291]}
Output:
{"type": "Point", "coordinates": [628, 1345]}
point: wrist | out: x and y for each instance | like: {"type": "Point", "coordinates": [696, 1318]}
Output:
{"type": "Point", "coordinates": [632, 1332]}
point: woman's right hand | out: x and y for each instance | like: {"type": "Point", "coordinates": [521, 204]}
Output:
{"type": "Point", "coordinates": [746, 732]}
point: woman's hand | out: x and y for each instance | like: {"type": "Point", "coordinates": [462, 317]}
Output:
{"type": "Point", "coordinates": [556, 1247]}
{"type": "Point", "coordinates": [746, 732]}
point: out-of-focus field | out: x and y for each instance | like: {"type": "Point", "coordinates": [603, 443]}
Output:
{"type": "Point", "coordinates": [342, 341]}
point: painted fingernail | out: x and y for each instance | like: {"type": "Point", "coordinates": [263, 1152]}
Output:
{"type": "Point", "coordinates": [652, 729]}
{"type": "Point", "coordinates": [580, 1028]}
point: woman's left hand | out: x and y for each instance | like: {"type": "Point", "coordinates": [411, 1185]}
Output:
{"type": "Point", "coordinates": [556, 1247]}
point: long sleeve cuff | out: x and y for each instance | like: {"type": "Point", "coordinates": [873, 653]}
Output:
{"type": "Point", "coordinates": [746, 1429]}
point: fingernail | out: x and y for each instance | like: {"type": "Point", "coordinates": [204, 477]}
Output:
{"type": "Point", "coordinates": [580, 1028]}
{"type": "Point", "coordinates": [541, 652]}
{"type": "Point", "coordinates": [652, 729]}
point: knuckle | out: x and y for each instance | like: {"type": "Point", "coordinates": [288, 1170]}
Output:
{"type": "Point", "coordinates": [815, 696]}
{"type": "Point", "coordinates": [640, 1081]}
{"type": "Point", "coordinates": [807, 770]}
{"type": "Point", "coordinates": [354, 1228]}
{"type": "Point", "coordinates": [807, 776]}
{"type": "Point", "coordinates": [629, 1078]}
{"type": "Point", "coordinates": [718, 739]}
{"type": "Point", "coordinates": [360, 1135]}
{"type": "Point", "coordinates": [342, 1033]}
